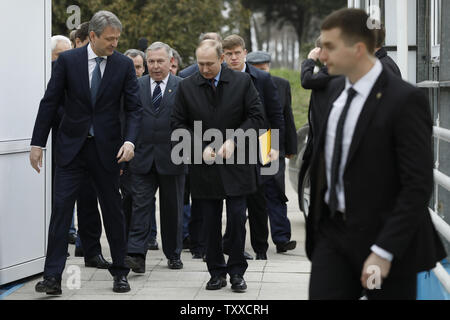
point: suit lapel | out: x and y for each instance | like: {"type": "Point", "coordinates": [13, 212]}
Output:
{"type": "Point", "coordinates": [168, 92]}
{"type": "Point", "coordinates": [146, 93]}
{"type": "Point", "coordinates": [367, 112]}
{"type": "Point", "coordinates": [84, 74]}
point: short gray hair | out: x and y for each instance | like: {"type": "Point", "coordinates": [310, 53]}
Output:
{"type": "Point", "coordinates": [133, 53]}
{"type": "Point", "coordinates": [160, 45]}
{"type": "Point", "coordinates": [103, 19]}
{"type": "Point", "coordinates": [177, 56]}
{"type": "Point", "coordinates": [59, 38]}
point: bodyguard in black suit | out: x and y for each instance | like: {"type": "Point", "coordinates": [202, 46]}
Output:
{"type": "Point", "coordinates": [220, 99]}
{"type": "Point", "coordinates": [89, 141]}
{"type": "Point", "coordinates": [381, 53]}
{"type": "Point", "coordinates": [368, 226]}
{"type": "Point", "coordinates": [152, 167]}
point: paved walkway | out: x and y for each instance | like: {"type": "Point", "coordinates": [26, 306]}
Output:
{"type": "Point", "coordinates": [282, 277]}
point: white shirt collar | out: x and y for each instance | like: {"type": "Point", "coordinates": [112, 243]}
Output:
{"type": "Point", "coordinates": [364, 85]}
{"type": "Point", "coordinates": [164, 81]}
{"type": "Point", "coordinates": [91, 53]}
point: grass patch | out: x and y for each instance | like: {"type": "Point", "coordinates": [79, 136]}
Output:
{"type": "Point", "coordinates": [300, 96]}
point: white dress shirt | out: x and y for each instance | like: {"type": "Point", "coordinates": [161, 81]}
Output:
{"type": "Point", "coordinates": [162, 85]}
{"type": "Point", "coordinates": [92, 63]}
{"type": "Point", "coordinates": [363, 87]}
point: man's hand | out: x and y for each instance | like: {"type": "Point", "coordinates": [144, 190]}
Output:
{"type": "Point", "coordinates": [273, 155]}
{"type": "Point", "coordinates": [126, 153]}
{"type": "Point", "coordinates": [36, 158]}
{"type": "Point", "coordinates": [314, 54]}
{"type": "Point", "coordinates": [374, 260]}
{"type": "Point", "coordinates": [208, 154]}
{"type": "Point", "coordinates": [227, 149]}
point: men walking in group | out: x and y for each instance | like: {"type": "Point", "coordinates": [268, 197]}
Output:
{"type": "Point", "coordinates": [220, 99]}
{"type": "Point", "coordinates": [89, 141]}
{"type": "Point", "coordinates": [371, 174]}
{"type": "Point", "coordinates": [152, 168]}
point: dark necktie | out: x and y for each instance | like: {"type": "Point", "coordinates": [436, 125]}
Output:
{"type": "Point", "coordinates": [157, 96]}
{"type": "Point", "coordinates": [337, 152]}
{"type": "Point", "coordinates": [95, 84]}
{"type": "Point", "coordinates": [213, 84]}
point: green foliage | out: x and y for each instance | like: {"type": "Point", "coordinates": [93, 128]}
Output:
{"type": "Point", "coordinates": [175, 22]}
{"type": "Point", "coordinates": [300, 96]}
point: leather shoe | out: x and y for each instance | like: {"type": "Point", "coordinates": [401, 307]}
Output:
{"type": "Point", "coordinates": [97, 262]}
{"type": "Point", "coordinates": [153, 244]}
{"type": "Point", "coordinates": [197, 255]}
{"type": "Point", "coordinates": [136, 264]}
{"type": "Point", "coordinates": [288, 245]}
{"type": "Point", "coordinates": [175, 264]}
{"type": "Point", "coordinates": [121, 284]}
{"type": "Point", "coordinates": [79, 252]}
{"type": "Point", "coordinates": [216, 283]}
{"type": "Point", "coordinates": [49, 285]}
{"type": "Point", "coordinates": [72, 238]}
{"type": "Point", "coordinates": [261, 256]}
{"type": "Point", "coordinates": [238, 283]}
{"type": "Point", "coordinates": [247, 256]}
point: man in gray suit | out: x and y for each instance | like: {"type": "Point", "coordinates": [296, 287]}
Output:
{"type": "Point", "coordinates": [152, 167]}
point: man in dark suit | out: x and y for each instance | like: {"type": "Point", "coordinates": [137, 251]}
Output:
{"type": "Point", "coordinates": [220, 99]}
{"type": "Point", "coordinates": [268, 199]}
{"type": "Point", "coordinates": [152, 167]}
{"type": "Point", "coordinates": [89, 141]}
{"type": "Point", "coordinates": [372, 175]}
{"type": "Point", "coordinates": [278, 213]}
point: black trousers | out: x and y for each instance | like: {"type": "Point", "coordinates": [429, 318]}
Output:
{"type": "Point", "coordinates": [258, 223]}
{"type": "Point", "coordinates": [171, 198]}
{"type": "Point", "coordinates": [67, 183]}
{"type": "Point", "coordinates": [212, 213]}
{"type": "Point", "coordinates": [125, 190]}
{"type": "Point", "coordinates": [89, 222]}
{"type": "Point", "coordinates": [197, 228]}
{"type": "Point", "coordinates": [336, 272]}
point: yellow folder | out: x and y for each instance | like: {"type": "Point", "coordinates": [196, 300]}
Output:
{"type": "Point", "coordinates": [264, 147]}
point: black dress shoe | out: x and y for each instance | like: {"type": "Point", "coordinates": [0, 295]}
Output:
{"type": "Point", "coordinates": [97, 262]}
{"type": "Point", "coordinates": [289, 245]}
{"type": "Point", "coordinates": [187, 243]}
{"type": "Point", "coordinates": [261, 256]}
{"type": "Point", "coordinates": [153, 244]}
{"type": "Point", "coordinates": [216, 283]}
{"type": "Point", "coordinates": [49, 286]}
{"type": "Point", "coordinates": [72, 238]}
{"type": "Point", "coordinates": [175, 264]}
{"type": "Point", "coordinates": [197, 255]}
{"type": "Point", "coordinates": [79, 252]}
{"type": "Point", "coordinates": [238, 283]}
{"type": "Point", "coordinates": [121, 284]}
{"type": "Point", "coordinates": [136, 264]}
{"type": "Point", "coordinates": [247, 256]}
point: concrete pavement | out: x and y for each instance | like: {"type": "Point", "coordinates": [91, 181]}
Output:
{"type": "Point", "coordinates": [281, 277]}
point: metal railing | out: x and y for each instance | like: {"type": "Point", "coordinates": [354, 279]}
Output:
{"type": "Point", "coordinates": [441, 226]}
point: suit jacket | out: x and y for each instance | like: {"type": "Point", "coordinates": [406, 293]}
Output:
{"type": "Point", "coordinates": [284, 94]}
{"type": "Point", "coordinates": [235, 104]}
{"type": "Point", "coordinates": [153, 143]}
{"type": "Point", "coordinates": [388, 62]}
{"type": "Point", "coordinates": [388, 177]}
{"type": "Point", "coordinates": [70, 76]}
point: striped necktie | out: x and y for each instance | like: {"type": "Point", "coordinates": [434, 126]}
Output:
{"type": "Point", "coordinates": [157, 96]}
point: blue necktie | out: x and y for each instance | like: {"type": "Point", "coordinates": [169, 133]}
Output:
{"type": "Point", "coordinates": [337, 153]}
{"type": "Point", "coordinates": [95, 84]}
{"type": "Point", "coordinates": [157, 96]}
